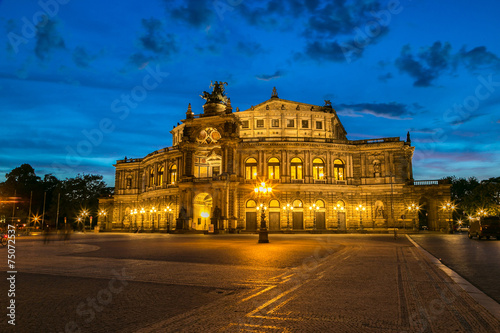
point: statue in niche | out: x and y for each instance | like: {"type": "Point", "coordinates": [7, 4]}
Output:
{"type": "Point", "coordinates": [217, 95]}
{"type": "Point", "coordinates": [379, 209]}
{"type": "Point", "coordinates": [376, 168]}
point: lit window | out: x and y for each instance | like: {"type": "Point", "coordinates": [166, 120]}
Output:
{"type": "Point", "coordinates": [338, 169]}
{"type": "Point", "coordinates": [251, 169]}
{"type": "Point", "coordinates": [260, 123]}
{"type": "Point", "coordinates": [274, 204]}
{"type": "Point", "coordinates": [275, 123]}
{"type": "Point", "coordinates": [318, 169]}
{"type": "Point", "coordinates": [273, 168]}
{"type": "Point", "coordinates": [297, 204]}
{"type": "Point", "coordinates": [151, 177]}
{"type": "Point", "coordinates": [160, 176]}
{"type": "Point", "coordinates": [319, 125]}
{"type": "Point", "coordinates": [290, 123]}
{"type": "Point", "coordinates": [245, 124]}
{"type": "Point", "coordinates": [173, 174]}
{"type": "Point", "coordinates": [305, 123]}
{"type": "Point", "coordinates": [296, 168]}
{"type": "Point", "coordinates": [251, 204]}
{"type": "Point", "coordinates": [201, 167]}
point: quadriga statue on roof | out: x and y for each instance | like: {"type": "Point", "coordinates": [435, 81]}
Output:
{"type": "Point", "coordinates": [218, 93]}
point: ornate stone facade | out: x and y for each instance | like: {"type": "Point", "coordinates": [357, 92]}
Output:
{"type": "Point", "coordinates": [300, 150]}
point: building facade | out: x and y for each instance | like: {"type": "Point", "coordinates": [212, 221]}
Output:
{"type": "Point", "coordinates": [319, 178]}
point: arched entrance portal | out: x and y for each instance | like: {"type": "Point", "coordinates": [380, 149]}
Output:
{"type": "Point", "coordinates": [202, 211]}
{"type": "Point", "coordinates": [423, 213]}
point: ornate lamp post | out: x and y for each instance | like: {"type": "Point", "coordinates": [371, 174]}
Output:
{"type": "Point", "coordinates": [413, 209]}
{"type": "Point", "coordinates": [152, 212]}
{"type": "Point", "coordinates": [449, 207]}
{"type": "Point", "coordinates": [288, 209]}
{"type": "Point", "coordinates": [262, 191]}
{"type": "Point", "coordinates": [338, 209]}
{"type": "Point", "coordinates": [142, 218]}
{"type": "Point", "coordinates": [134, 213]}
{"type": "Point", "coordinates": [360, 208]}
{"type": "Point", "coordinates": [167, 213]}
{"type": "Point", "coordinates": [314, 209]}
{"type": "Point", "coordinates": [79, 219]}
{"type": "Point", "coordinates": [84, 215]}
{"type": "Point", "coordinates": [102, 213]}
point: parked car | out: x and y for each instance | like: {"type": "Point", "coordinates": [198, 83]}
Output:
{"type": "Point", "coordinates": [485, 227]}
{"type": "Point", "coordinates": [461, 228]}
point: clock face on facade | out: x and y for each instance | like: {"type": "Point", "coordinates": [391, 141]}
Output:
{"type": "Point", "coordinates": [208, 135]}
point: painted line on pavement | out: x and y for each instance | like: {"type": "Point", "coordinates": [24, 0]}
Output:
{"type": "Point", "coordinates": [486, 301]}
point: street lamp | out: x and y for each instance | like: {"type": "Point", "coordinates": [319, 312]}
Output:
{"type": "Point", "coordinates": [314, 209]}
{"type": "Point", "coordinates": [338, 209]}
{"type": "Point", "coordinates": [449, 207]}
{"type": "Point", "coordinates": [361, 209]}
{"type": "Point", "coordinates": [84, 215]}
{"type": "Point", "coordinates": [102, 213]}
{"type": "Point", "coordinates": [413, 208]}
{"type": "Point", "coordinates": [153, 211]}
{"type": "Point", "coordinates": [262, 191]}
{"type": "Point", "coordinates": [288, 209]}
{"type": "Point", "coordinates": [205, 215]}
{"type": "Point", "coordinates": [142, 218]}
{"type": "Point", "coordinates": [134, 213]}
{"type": "Point", "coordinates": [167, 213]}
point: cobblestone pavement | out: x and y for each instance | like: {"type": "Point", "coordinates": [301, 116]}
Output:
{"type": "Point", "coordinates": [344, 283]}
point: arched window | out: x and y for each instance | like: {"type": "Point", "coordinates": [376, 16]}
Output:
{"type": "Point", "coordinates": [151, 177]}
{"type": "Point", "coordinates": [296, 168]}
{"type": "Point", "coordinates": [160, 176]}
{"type": "Point", "coordinates": [273, 168]}
{"type": "Point", "coordinates": [251, 168]}
{"type": "Point", "coordinates": [320, 203]}
{"type": "Point", "coordinates": [340, 206]}
{"type": "Point", "coordinates": [172, 174]}
{"type": "Point", "coordinates": [251, 204]}
{"type": "Point", "coordinates": [339, 169]}
{"type": "Point", "coordinates": [297, 203]}
{"type": "Point", "coordinates": [274, 204]}
{"type": "Point", "coordinates": [318, 169]}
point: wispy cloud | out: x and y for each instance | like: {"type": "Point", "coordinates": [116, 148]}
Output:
{"type": "Point", "coordinates": [269, 77]}
{"type": "Point", "coordinates": [391, 110]}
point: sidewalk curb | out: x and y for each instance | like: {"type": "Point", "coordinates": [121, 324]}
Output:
{"type": "Point", "coordinates": [487, 302]}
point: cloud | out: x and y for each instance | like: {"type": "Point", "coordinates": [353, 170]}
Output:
{"type": "Point", "coordinates": [249, 48]}
{"type": "Point", "coordinates": [427, 65]}
{"type": "Point", "coordinates": [196, 13]}
{"type": "Point", "coordinates": [81, 58]}
{"type": "Point", "coordinates": [479, 58]}
{"type": "Point", "coordinates": [391, 110]}
{"type": "Point", "coordinates": [269, 77]}
{"type": "Point", "coordinates": [47, 39]}
{"type": "Point", "coordinates": [431, 62]}
{"type": "Point", "coordinates": [155, 43]}
{"type": "Point", "coordinates": [464, 120]}
{"type": "Point", "coordinates": [385, 77]}
{"type": "Point", "coordinates": [425, 130]}
{"type": "Point", "coordinates": [331, 51]}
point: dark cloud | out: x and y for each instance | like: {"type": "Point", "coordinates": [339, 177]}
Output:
{"type": "Point", "coordinates": [391, 110]}
{"type": "Point", "coordinates": [269, 77]}
{"type": "Point", "coordinates": [156, 44]}
{"type": "Point", "coordinates": [196, 13]}
{"type": "Point", "coordinates": [331, 51]}
{"type": "Point", "coordinates": [47, 39]}
{"type": "Point", "coordinates": [249, 48]}
{"type": "Point", "coordinates": [385, 77]}
{"type": "Point", "coordinates": [431, 62]}
{"type": "Point", "coordinates": [425, 130]}
{"type": "Point", "coordinates": [479, 58]}
{"type": "Point", "coordinates": [81, 58]}
{"type": "Point", "coordinates": [427, 65]}
{"type": "Point", "coordinates": [463, 120]}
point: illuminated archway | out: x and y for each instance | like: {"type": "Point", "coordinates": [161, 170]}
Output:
{"type": "Point", "coordinates": [202, 211]}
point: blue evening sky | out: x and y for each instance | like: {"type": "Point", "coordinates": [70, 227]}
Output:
{"type": "Point", "coordinates": [84, 83]}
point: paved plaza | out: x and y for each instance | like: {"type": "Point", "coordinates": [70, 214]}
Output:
{"type": "Point", "coordinates": [230, 283]}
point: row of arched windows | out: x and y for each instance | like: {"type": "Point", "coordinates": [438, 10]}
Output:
{"type": "Point", "coordinates": [296, 169]}
{"type": "Point", "coordinates": [296, 204]}
{"type": "Point", "coordinates": [158, 180]}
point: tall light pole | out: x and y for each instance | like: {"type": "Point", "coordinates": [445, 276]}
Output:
{"type": "Point", "coordinates": [142, 218]}
{"type": "Point", "coordinates": [262, 191]}
{"type": "Point", "coordinates": [288, 209]}
{"type": "Point", "coordinates": [449, 207]}
{"type": "Point", "coordinates": [413, 210]}
{"type": "Point", "coordinates": [314, 209]}
{"type": "Point", "coordinates": [152, 212]}
{"type": "Point", "coordinates": [84, 215]}
{"type": "Point", "coordinates": [167, 215]}
{"type": "Point", "coordinates": [102, 214]}
{"type": "Point", "coordinates": [360, 208]}
{"type": "Point", "coordinates": [338, 209]}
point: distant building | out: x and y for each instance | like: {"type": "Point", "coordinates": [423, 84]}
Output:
{"type": "Point", "coordinates": [300, 150]}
